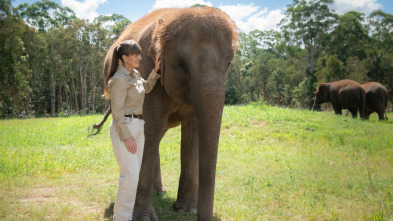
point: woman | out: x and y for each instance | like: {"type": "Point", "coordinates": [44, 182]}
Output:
{"type": "Point", "coordinates": [126, 89]}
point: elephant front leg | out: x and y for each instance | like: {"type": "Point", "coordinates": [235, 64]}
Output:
{"type": "Point", "coordinates": [187, 196]}
{"type": "Point", "coordinates": [158, 188]}
{"type": "Point", "coordinates": [337, 109]}
{"type": "Point", "coordinates": [143, 208]}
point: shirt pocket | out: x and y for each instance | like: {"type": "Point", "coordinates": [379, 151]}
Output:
{"type": "Point", "coordinates": [133, 82]}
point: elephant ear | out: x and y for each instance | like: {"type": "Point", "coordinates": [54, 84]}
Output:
{"type": "Point", "coordinates": [156, 47]}
{"type": "Point", "coordinates": [324, 89]}
{"type": "Point", "coordinates": [322, 86]}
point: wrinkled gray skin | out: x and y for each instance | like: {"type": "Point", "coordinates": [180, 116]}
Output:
{"type": "Point", "coordinates": [377, 99]}
{"type": "Point", "coordinates": [190, 92]}
{"type": "Point", "coordinates": [344, 94]}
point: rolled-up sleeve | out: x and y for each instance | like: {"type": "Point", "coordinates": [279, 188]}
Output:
{"type": "Point", "coordinates": [151, 81]}
{"type": "Point", "coordinates": [118, 91]}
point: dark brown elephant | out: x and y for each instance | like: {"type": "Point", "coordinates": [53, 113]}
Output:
{"type": "Point", "coordinates": [196, 46]}
{"type": "Point", "coordinates": [376, 99]}
{"type": "Point", "coordinates": [344, 94]}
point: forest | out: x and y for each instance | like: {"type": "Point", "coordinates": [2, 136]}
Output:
{"type": "Point", "coordinates": [51, 61]}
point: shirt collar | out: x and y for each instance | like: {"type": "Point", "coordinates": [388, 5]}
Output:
{"type": "Point", "coordinates": [126, 71]}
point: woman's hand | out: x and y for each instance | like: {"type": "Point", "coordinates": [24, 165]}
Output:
{"type": "Point", "coordinates": [131, 145]}
{"type": "Point", "coordinates": [158, 62]}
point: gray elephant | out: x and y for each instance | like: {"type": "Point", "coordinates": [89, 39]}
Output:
{"type": "Point", "coordinates": [196, 46]}
{"type": "Point", "coordinates": [377, 99]}
{"type": "Point", "coordinates": [344, 94]}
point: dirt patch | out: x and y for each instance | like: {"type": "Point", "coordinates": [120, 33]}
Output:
{"type": "Point", "coordinates": [42, 195]}
{"type": "Point", "coordinates": [259, 123]}
{"type": "Point", "coordinates": [39, 199]}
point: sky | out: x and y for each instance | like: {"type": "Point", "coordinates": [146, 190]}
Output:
{"type": "Point", "coordinates": [247, 14]}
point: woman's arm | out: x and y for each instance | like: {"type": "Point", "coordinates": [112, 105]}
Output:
{"type": "Point", "coordinates": [153, 76]}
{"type": "Point", "coordinates": [118, 91]}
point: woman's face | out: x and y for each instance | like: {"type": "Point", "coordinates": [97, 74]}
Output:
{"type": "Point", "coordinates": [132, 60]}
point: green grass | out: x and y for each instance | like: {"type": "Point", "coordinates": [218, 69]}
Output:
{"type": "Point", "coordinates": [273, 163]}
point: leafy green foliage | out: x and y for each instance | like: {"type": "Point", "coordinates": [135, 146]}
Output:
{"type": "Point", "coordinates": [52, 61]}
{"type": "Point", "coordinates": [46, 14]}
{"type": "Point", "coordinates": [349, 38]}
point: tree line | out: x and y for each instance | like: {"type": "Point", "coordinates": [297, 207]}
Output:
{"type": "Point", "coordinates": [313, 45]}
{"type": "Point", "coordinates": [51, 61]}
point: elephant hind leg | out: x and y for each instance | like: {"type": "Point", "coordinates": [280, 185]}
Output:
{"type": "Point", "coordinates": [354, 112]}
{"type": "Point", "coordinates": [187, 196]}
{"type": "Point", "coordinates": [381, 115]}
{"type": "Point", "coordinates": [338, 112]}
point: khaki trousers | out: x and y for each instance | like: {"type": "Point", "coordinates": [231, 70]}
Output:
{"type": "Point", "coordinates": [129, 165]}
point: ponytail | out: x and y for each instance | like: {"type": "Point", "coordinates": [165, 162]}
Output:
{"type": "Point", "coordinates": [126, 47]}
{"type": "Point", "coordinates": [112, 69]}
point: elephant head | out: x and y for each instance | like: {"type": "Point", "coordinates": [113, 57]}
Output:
{"type": "Point", "coordinates": [322, 94]}
{"type": "Point", "coordinates": [196, 54]}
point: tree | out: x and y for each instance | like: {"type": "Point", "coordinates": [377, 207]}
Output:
{"type": "Point", "coordinates": [114, 23]}
{"type": "Point", "coordinates": [234, 82]}
{"type": "Point", "coordinates": [306, 24]}
{"type": "Point", "coordinates": [382, 51]}
{"type": "Point", "coordinates": [356, 69]}
{"type": "Point", "coordinates": [14, 72]}
{"type": "Point", "coordinates": [350, 37]}
{"type": "Point", "coordinates": [46, 14]}
{"type": "Point", "coordinates": [333, 70]}
{"type": "Point", "coordinates": [382, 29]}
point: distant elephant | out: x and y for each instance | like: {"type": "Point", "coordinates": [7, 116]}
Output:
{"type": "Point", "coordinates": [196, 46]}
{"type": "Point", "coordinates": [344, 94]}
{"type": "Point", "coordinates": [377, 99]}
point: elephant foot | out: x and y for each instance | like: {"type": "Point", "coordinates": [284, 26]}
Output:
{"type": "Point", "coordinates": [185, 208]}
{"type": "Point", "coordinates": [145, 213]}
{"type": "Point", "coordinates": [161, 190]}
{"type": "Point", "coordinates": [147, 218]}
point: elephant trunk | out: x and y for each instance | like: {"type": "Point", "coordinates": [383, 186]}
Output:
{"type": "Point", "coordinates": [208, 94]}
{"type": "Point", "coordinates": [316, 105]}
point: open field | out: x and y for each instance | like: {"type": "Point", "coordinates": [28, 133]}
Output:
{"type": "Point", "coordinates": [273, 164]}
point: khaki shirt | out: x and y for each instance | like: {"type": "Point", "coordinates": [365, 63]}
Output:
{"type": "Point", "coordinates": [127, 93]}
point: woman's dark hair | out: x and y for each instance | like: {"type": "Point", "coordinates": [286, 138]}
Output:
{"type": "Point", "coordinates": [128, 47]}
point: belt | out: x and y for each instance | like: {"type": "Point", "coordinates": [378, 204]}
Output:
{"type": "Point", "coordinates": [134, 116]}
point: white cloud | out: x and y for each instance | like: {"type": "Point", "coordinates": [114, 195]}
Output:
{"type": "Point", "coordinates": [86, 9]}
{"type": "Point", "coordinates": [365, 6]}
{"type": "Point", "coordinates": [178, 3]}
{"type": "Point", "coordinates": [247, 17]}
{"type": "Point", "coordinates": [250, 17]}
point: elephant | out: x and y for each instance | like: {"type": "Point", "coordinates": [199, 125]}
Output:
{"type": "Point", "coordinates": [376, 99]}
{"type": "Point", "coordinates": [344, 94]}
{"type": "Point", "coordinates": [196, 47]}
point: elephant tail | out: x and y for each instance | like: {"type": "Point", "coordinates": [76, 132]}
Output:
{"type": "Point", "coordinates": [96, 128]}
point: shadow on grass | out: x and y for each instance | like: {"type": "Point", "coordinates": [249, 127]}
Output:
{"type": "Point", "coordinates": [109, 211]}
{"type": "Point", "coordinates": [164, 209]}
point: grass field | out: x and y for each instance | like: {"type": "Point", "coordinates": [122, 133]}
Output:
{"type": "Point", "coordinates": [273, 164]}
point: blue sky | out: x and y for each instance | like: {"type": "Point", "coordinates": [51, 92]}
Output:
{"type": "Point", "coordinates": [247, 14]}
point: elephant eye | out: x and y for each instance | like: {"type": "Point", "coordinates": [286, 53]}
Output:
{"type": "Point", "coordinates": [228, 65]}
{"type": "Point", "coordinates": [183, 67]}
